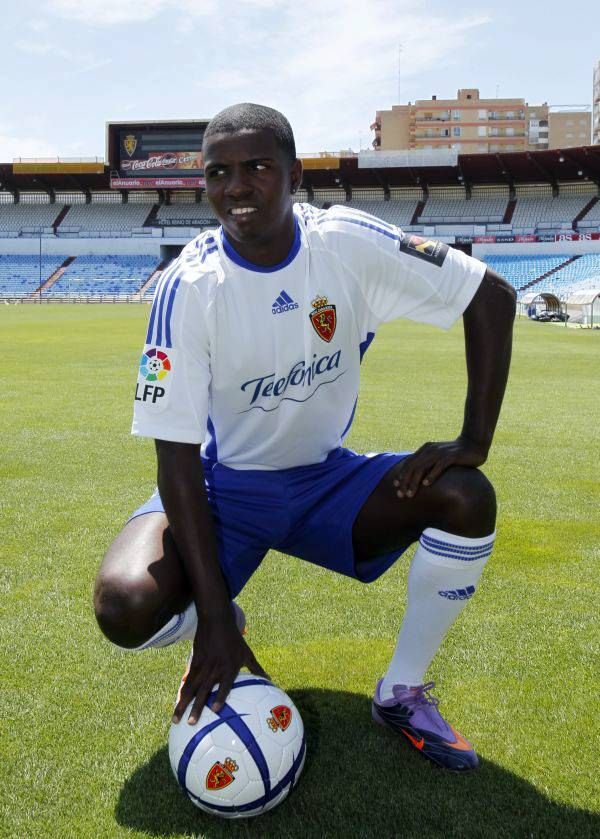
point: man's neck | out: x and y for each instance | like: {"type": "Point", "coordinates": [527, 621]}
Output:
{"type": "Point", "coordinates": [271, 252]}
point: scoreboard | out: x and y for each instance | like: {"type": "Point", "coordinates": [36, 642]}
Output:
{"type": "Point", "coordinates": [156, 155]}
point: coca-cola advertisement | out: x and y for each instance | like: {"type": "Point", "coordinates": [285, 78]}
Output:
{"type": "Point", "coordinates": [160, 152]}
{"type": "Point", "coordinates": [162, 161]}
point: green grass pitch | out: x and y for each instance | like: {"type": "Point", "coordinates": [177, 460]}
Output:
{"type": "Point", "coordinates": [84, 726]}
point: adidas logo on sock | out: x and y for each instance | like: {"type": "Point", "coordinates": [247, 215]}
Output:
{"type": "Point", "coordinates": [458, 593]}
{"type": "Point", "coordinates": [284, 303]}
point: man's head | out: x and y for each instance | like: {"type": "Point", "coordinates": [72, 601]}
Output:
{"type": "Point", "coordinates": [247, 116]}
{"type": "Point", "coordinates": [251, 171]}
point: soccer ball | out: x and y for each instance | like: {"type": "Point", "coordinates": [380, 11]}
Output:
{"type": "Point", "coordinates": [245, 759]}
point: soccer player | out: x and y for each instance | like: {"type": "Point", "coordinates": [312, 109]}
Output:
{"type": "Point", "coordinates": [248, 384]}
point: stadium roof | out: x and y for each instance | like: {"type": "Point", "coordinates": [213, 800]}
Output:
{"type": "Point", "coordinates": [574, 164]}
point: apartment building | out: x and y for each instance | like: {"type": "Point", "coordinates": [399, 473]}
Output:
{"type": "Point", "coordinates": [569, 126]}
{"type": "Point", "coordinates": [472, 124]}
{"type": "Point", "coordinates": [596, 128]}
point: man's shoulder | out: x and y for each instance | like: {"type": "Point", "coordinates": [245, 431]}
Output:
{"type": "Point", "coordinates": [342, 223]}
{"type": "Point", "coordinates": [197, 262]}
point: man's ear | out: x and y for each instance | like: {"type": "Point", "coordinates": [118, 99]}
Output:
{"type": "Point", "coordinates": [296, 175]}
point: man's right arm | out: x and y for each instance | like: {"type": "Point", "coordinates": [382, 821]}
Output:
{"type": "Point", "coordinates": [219, 649]}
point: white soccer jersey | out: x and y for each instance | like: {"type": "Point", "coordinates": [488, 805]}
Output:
{"type": "Point", "coordinates": [261, 365]}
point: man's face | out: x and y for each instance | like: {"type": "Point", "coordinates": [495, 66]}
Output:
{"type": "Point", "coordinates": [249, 181]}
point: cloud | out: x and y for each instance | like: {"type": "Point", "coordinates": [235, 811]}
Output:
{"type": "Point", "coordinates": [111, 12]}
{"type": "Point", "coordinates": [107, 12]}
{"type": "Point", "coordinates": [330, 66]}
{"type": "Point", "coordinates": [43, 48]}
{"type": "Point", "coordinates": [14, 146]}
{"type": "Point", "coordinates": [327, 66]}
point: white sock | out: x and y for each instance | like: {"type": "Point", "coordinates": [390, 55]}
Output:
{"type": "Point", "coordinates": [180, 627]}
{"type": "Point", "coordinates": [442, 579]}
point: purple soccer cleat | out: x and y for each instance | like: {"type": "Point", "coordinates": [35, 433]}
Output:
{"type": "Point", "coordinates": [414, 713]}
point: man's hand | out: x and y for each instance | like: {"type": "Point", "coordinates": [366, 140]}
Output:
{"type": "Point", "coordinates": [427, 464]}
{"type": "Point", "coordinates": [219, 654]}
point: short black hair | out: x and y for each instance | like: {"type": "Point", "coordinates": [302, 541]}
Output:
{"type": "Point", "coordinates": [247, 116]}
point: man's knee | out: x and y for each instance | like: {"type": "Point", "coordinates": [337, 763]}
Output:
{"type": "Point", "coordinates": [125, 610]}
{"type": "Point", "coordinates": [469, 502]}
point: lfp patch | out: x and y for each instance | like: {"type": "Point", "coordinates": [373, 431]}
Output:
{"type": "Point", "coordinates": [154, 365]}
{"type": "Point", "coordinates": [427, 249]}
{"type": "Point", "coordinates": [155, 374]}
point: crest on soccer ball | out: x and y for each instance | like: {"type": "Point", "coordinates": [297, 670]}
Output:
{"type": "Point", "coordinates": [323, 318]}
{"type": "Point", "coordinates": [281, 718]}
{"type": "Point", "coordinates": [130, 143]}
{"type": "Point", "coordinates": [220, 775]}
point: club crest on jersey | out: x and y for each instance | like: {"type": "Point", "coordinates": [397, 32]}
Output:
{"type": "Point", "coordinates": [281, 718]}
{"type": "Point", "coordinates": [220, 775]}
{"type": "Point", "coordinates": [323, 318]}
{"type": "Point", "coordinates": [130, 143]}
{"type": "Point", "coordinates": [427, 249]}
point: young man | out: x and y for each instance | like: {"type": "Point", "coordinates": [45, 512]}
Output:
{"type": "Point", "coordinates": [252, 353]}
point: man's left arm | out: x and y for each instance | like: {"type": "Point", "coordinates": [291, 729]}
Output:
{"type": "Point", "coordinates": [488, 322]}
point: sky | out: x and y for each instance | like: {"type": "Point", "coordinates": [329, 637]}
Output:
{"type": "Point", "coordinates": [70, 66]}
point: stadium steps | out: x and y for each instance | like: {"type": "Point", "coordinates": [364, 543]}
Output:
{"type": "Point", "coordinates": [549, 273]}
{"type": "Point", "coordinates": [57, 221]}
{"type": "Point", "coordinates": [510, 211]}
{"type": "Point", "coordinates": [583, 213]}
{"type": "Point", "coordinates": [151, 218]}
{"type": "Point", "coordinates": [159, 268]}
{"type": "Point", "coordinates": [53, 277]}
{"type": "Point", "coordinates": [418, 211]}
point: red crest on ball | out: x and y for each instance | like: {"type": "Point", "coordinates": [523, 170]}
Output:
{"type": "Point", "coordinates": [283, 715]}
{"type": "Point", "coordinates": [220, 775]}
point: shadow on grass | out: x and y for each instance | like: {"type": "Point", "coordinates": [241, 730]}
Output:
{"type": "Point", "coordinates": [360, 781]}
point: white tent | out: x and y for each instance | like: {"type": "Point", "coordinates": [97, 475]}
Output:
{"type": "Point", "coordinates": [583, 306]}
{"type": "Point", "coordinates": [533, 301]}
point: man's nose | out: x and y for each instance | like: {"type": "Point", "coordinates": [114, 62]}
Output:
{"type": "Point", "coordinates": [237, 184]}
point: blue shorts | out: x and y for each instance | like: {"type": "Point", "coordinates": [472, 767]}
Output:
{"type": "Point", "coordinates": [307, 512]}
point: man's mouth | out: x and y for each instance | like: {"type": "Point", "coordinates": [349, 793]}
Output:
{"type": "Point", "coordinates": [242, 211]}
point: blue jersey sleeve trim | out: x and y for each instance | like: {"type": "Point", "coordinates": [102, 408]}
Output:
{"type": "Point", "coordinates": [170, 311]}
{"type": "Point", "coordinates": [364, 345]}
{"type": "Point", "coordinates": [387, 231]}
{"type": "Point", "coordinates": [165, 288]}
{"type": "Point", "coordinates": [234, 256]}
{"type": "Point", "coordinates": [211, 452]}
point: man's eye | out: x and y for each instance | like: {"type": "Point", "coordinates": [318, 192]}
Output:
{"type": "Point", "coordinates": [258, 167]}
{"type": "Point", "coordinates": [214, 173]}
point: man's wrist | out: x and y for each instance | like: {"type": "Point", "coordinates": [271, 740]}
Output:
{"type": "Point", "coordinates": [476, 442]}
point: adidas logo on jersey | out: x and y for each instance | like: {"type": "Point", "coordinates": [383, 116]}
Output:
{"type": "Point", "coordinates": [458, 593]}
{"type": "Point", "coordinates": [284, 303]}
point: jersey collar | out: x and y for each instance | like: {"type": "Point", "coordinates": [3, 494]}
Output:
{"type": "Point", "coordinates": [234, 256]}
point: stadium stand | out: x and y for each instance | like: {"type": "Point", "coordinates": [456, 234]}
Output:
{"type": "Point", "coordinates": [592, 217]}
{"type": "Point", "coordinates": [451, 206]}
{"type": "Point", "coordinates": [103, 276]}
{"type": "Point", "coordinates": [20, 275]}
{"type": "Point", "coordinates": [186, 214]}
{"type": "Point", "coordinates": [538, 209]}
{"type": "Point", "coordinates": [301, 197]}
{"type": "Point", "coordinates": [504, 202]}
{"type": "Point", "coordinates": [581, 272]}
{"type": "Point", "coordinates": [399, 210]}
{"type": "Point", "coordinates": [25, 218]}
{"type": "Point", "coordinates": [523, 271]}
{"type": "Point", "coordinates": [104, 218]}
